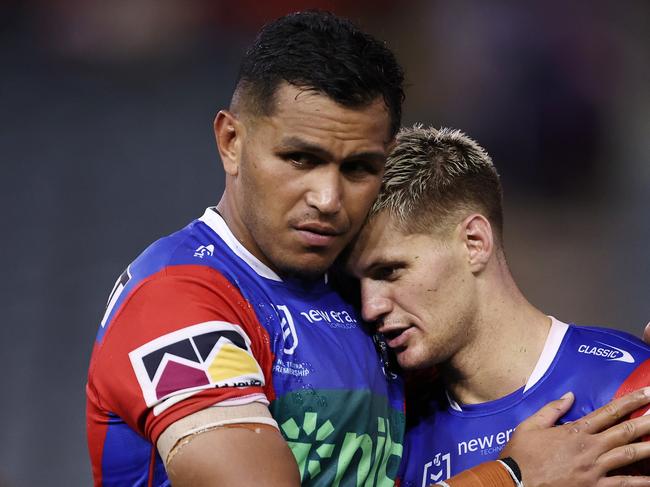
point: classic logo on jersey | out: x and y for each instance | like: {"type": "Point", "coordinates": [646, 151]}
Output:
{"type": "Point", "coordinates": [437, 469]}
{"type": "Point", "coordinates": [608, 352]}
{"type": "Point", "coordinates": [179, 364]}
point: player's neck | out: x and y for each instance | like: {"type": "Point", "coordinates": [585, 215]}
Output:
{"type": "Point", "coordinates": [509, 336]}
{"type": "Point", "coordinates": [228, 209]}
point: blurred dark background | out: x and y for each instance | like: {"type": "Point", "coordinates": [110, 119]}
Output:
{"type": "Point", "coordinates": [106, 143]}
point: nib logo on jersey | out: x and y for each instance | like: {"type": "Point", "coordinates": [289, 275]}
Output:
{"type": "Point", "coordinates": [301, 449]}
{"type": "Point", "coordinates": [334, 449]}
{"type": "Point", "coordinates": [179, 364]}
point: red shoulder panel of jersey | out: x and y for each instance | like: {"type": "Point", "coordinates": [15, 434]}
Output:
{"type": "Point", "coordinates": [183, 340]}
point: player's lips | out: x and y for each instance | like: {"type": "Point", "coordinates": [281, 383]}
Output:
{"type": "Point", "coordinates": [317, 234]}
{"type": "Point", "coordinates": [396, 337]}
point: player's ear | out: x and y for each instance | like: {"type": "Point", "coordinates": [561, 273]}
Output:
{"type": "Point", "coordinates": [229, 132]}
{"type": "Point", "coordinates": [478, 239]}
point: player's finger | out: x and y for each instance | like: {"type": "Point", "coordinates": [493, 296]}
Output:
{"type": "Point", "coordinates": [612, 412]}
{"type": "Point", "coordinates": [646, 333]}
{"type": "Point", "coordinates": [623, 456]}
{"type": "Point", "coordinates": [625, 432]}
{"type": "Point", "coordinates": [548, 415]}
{"type": "Point", "coordinates": [623, 481]}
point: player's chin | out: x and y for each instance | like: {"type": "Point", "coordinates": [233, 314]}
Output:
{"type": "Point", "coordinates": [406, 359]}
{"type": "Point", "coordinates": [309, 265]}
{"type": "Point", "coordinates": [411, 358]}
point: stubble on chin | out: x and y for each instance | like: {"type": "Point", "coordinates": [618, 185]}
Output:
{"type": "Point", "coordinates": [308, 272]}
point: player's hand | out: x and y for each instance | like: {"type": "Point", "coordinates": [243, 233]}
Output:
{"type": "Point", "coordinates": [646, 333]}
{"type": "Point", "coordinates": [583, 452]}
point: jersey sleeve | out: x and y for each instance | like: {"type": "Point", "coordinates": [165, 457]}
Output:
{"type": "Point", "coordinates": [184, 339]}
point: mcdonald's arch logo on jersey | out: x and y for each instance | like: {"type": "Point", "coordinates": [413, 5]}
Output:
{"type": "Point", "coordinates": [175, 366]}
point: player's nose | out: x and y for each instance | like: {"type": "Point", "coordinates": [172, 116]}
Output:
{"type": "Point", "coordinates": [326, 192]}
{"type": "Point", "coordinates": [375, 304]}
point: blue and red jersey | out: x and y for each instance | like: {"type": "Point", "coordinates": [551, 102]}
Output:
{"type": "Point", "coordinates": [197, 321]}
{"type": "Point", "coordinates": [444, 438]}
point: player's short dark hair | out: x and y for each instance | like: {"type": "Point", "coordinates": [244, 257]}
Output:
{"type": "Point", "coordinates": [434, 175]}
{"type": "Point", "coordinates": [322, 52]}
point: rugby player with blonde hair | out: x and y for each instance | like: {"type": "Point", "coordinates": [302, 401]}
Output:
{"type": "Point", "coordinates": [436, 284]}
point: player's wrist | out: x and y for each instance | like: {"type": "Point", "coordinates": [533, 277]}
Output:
{"type": "Point", "coordinates": [513, 469]}
{"type": "Point", "coordinates": [489, 474]}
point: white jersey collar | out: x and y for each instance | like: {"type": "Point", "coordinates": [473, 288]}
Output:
{"type": "Point", "coordinates": [551, 347]}
{"type": "Point", "coordinates": [216, 222]}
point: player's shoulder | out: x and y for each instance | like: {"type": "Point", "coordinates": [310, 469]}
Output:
{"type": "Point", "coordinates": [187, 252]}
{"type": "Point", "coordinates": [609, 334]}
{"type": "Point", "coordinates": [189, 245]}
{"type": "Point", "coordinates": [609, 344]}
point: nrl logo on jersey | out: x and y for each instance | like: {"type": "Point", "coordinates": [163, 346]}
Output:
{"type": "Point", "coordinates": [437, 469]}
{"type": "Point", "coordinates": [288, 327]}
{"type": "Point", "coordinates": [609, 352]}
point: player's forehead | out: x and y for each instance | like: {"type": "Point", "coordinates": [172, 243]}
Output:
{"type": "Point", "coordinates": [314, 115]}
{"type": "Point", "coordinates": [378, 243]}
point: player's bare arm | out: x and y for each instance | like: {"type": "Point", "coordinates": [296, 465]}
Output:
{"type": "Point", "coordinates": [237, 447]}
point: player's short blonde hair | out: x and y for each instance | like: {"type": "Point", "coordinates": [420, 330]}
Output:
{"type": "Point", "coordinates": [435, 176]}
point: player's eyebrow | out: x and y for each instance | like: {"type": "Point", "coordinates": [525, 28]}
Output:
{"type": "Point", "coordinates": [378, 263]}
{"type": "Point", "coordinates": [297, 144]}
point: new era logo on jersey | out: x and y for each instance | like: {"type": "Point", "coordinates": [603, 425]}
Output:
{"type": "Point", "coordinates": [608, 352]}
{"type": "Point", "coordinates": [179, 364]}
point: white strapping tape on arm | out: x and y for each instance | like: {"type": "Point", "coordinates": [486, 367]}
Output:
{"type": "Point", "coordinates": [209, 419]}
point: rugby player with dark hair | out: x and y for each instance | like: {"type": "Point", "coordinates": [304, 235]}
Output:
{"type": "Point", "coordinates": [225, 357]}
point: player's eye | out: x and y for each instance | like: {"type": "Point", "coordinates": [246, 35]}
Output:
{"type": "Point", "coordinates": [301, 159]}
{"type": "Point", "coordinates": [359, 168]}
{"type": "Point", "coordinates": [386, 273]}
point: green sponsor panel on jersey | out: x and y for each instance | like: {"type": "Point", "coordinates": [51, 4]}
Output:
{"type": "Point", "coordinates": [341, 438]}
